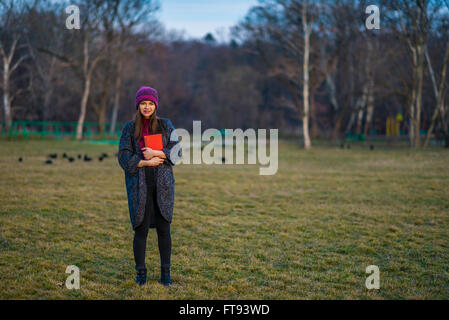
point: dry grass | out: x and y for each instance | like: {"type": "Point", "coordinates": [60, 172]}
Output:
{"type": "Point", "coordinates": [307, 232]}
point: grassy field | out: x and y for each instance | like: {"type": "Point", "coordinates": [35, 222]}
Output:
{"type": "Point", "coordinates": [307, 232]}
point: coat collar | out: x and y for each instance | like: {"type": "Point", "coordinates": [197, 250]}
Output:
{"type": "Point", "coordinates": [136, 144]}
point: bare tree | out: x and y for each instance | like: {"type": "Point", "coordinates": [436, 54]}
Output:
{"type": "Point", "coordinates": [123, 17]}
{"type": "Point", "coordinates": [439, 90]}
{"type": "Point", "coordinates": [307, 29]}
{"type": "Point", "coordinates": [412, 20]}
{"type": "Point", "coordinates": [11, 44]}
{"type": "Point", "coordinates": [44, 23]}
{"type": "Point", "coordinates": [286, 26]}
{"type": "Point", "coordinates": [439, 94]}
{"type": "Point", "coordinates": [92, 51]}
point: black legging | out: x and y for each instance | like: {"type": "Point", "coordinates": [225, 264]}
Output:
{"type": "Point", "coordinates": [152, 219]}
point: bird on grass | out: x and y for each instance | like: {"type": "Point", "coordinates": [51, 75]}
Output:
{"type": "Point", "coordinates": [71, 159]}
{"type": "Point", "coordinates": [53, 155]}
{"type": "Point", "coordinates": [100, 158]}
{"type": "Point", "coordinates": [342, 146]}
{"type": "Point", "coordinates": [104, 155]}
{"type": "Point", "coordinates": [20, 159]}
{"type": "Point", "coordinates": [79, 156]}
{"type": "Point", "coordinates": [64, 155]}
{"type": "Point", "coordinates": [48, 162]}
{"type": "Point", "coordinates": [86, 158]}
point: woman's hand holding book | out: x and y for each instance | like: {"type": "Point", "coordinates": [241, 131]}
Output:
{"type": "Point", "coordinates": [149, 153]}
{"type": "Point", "coordinates": [153, 162]}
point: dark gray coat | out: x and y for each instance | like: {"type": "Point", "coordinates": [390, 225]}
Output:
{"type": "Point", "coordinates": [129, 155]}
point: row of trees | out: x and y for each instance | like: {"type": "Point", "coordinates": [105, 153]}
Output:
{"type": "Point", "coordinates": [323, 53]}
{"type": "Point", "coordinates": [62, 59]}
{"type": "Point", "coordinates": [292, 64]}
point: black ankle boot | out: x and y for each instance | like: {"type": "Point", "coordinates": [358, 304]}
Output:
{"type": "Point", "coordinates": [165, 275]}
{"type": "Point", "coordinates": [141, 277]}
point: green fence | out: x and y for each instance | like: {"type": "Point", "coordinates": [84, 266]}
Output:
{"type": "Point", "coordinates": [23, 129]}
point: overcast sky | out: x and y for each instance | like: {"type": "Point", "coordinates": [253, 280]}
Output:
{"type": "Point", "coordinates": [198, 17]}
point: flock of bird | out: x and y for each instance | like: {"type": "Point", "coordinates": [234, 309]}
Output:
{"type": "Point", "coordinates": [86, 158]}
{"type": "Point", "coordinates": [52, 156]}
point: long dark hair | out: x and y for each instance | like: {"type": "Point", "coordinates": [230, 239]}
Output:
{"type": "Point", "coordinates": [155, 124]}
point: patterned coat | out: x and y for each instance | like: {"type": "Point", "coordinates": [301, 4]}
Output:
{"type": "Point", "coordinates": [129, 155]}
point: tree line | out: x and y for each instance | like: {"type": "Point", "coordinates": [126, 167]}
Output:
{"type": "Point", "coordinates": [310, 68]}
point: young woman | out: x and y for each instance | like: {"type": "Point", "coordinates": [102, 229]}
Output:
{"type": "Point", "coordinates": [150, 184]}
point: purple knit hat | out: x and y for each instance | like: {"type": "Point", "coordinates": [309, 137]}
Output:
{"type": "Point", "coordinates": [147, 93]}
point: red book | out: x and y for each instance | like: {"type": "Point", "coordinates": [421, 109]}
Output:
{"type": "Point", "coordinates": [154, 141]}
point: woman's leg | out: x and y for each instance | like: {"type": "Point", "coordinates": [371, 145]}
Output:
{"type": "Point", "coordinates": [140, 243]}
{"type": "Point", "coordinates": [163, 237]}
{"type": "Point", "coordinates": [141, 235]}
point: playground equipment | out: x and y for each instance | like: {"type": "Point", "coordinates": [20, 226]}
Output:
{"type": "Point", "coordinates": [392, 126]}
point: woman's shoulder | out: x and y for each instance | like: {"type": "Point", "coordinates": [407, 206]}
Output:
{"type": "Point", "coordinates": [128, 125]}
{"type": "Point", "coordinates": [166, 122]}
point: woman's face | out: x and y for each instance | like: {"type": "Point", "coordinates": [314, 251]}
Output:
{"type": "Point", "coordinates": [147, 108]}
